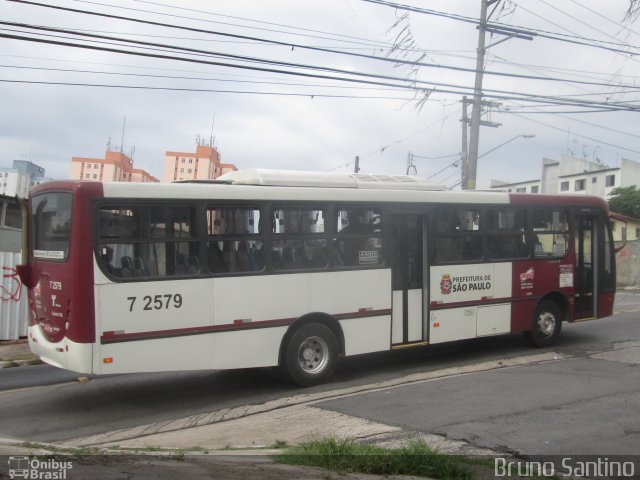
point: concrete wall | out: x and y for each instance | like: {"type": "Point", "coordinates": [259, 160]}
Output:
{"type": "Point", "coordinates": [628, 265]}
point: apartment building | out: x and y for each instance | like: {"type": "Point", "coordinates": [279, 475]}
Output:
{"type": "Point", "coordinates": [203, 164]}
{"type": "Point", "coordinates": [114, 167]}
{"type": "Point", "coordinates": [576, 176]}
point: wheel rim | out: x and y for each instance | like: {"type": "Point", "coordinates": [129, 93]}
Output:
{"type": "Point", "coordinates": [313, 355]}
{"type": "Point", "coordinates": [546, 324]}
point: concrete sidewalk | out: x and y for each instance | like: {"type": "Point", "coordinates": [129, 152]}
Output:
{"type": "Point", "coordinates": [16, 353]}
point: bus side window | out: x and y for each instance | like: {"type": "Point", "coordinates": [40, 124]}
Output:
{"type": "Point", "coordinates": [359, 239]}
{"type": "Point", "coordinates": [234, 239]}
{"type": "Point", "coordinates": [550, 232]}
{"type": "Point", "coordinates": [458, 235]}
{"type": "Point", "coordinates": [148, 240]}
{"type": "Point", "coordinates": [298, 242]}
{"type": "Point", "coordinates": [506, 233]}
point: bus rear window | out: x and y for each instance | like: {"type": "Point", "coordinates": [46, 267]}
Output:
{"type": "Point", "coordinates": [51, 221]}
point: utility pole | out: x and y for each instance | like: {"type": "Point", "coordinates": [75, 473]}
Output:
{"type": "Point", "coordinates": [476, 113]}
{"type": "Point", "coordinates": [356, 167]}
{"type": "Point", "coordinates": [464, 155]}
{"type": "Point", "coordinates": [472, 166]}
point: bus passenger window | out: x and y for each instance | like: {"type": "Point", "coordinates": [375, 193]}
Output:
{"type": "Point", "coordinates": [155, 240]}
{"type": "Point", "coordinates": [300, 254]}
{"type": "Point", "coordinates": [550, 233]}
{"type": "Point", "coordinates": [358, 241]}
{"type": "Point", "coordinates": [235, 244]}
{"type": "Point", "coordinates": [298, 239]}
{"type": "Point", "coordinates": [506, 233]}
{"type": "Point", "coordinates": [458, 236]}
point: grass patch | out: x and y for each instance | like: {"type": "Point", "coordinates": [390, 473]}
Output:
{"type": "Point", "coordinates": [416, 458]}
{"type": "Point", "coordinates": [62, 450]}
{"type": "Point", "coordinates": [280, 444]}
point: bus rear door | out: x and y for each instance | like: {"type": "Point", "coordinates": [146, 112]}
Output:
{"type": "Point", "coordinates": [407, 279]}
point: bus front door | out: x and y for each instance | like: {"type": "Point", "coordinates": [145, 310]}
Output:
{"type": "Point", "coordinates": [586, 266]}
{"type": "Point", "coordinates": [407, 237]}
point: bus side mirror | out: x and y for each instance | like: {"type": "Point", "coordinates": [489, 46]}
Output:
{"type": "Point", "coordinates": [25, 272]}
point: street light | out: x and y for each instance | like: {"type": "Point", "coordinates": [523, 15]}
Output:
{"type": "Point", "coordinates": [503, 144]}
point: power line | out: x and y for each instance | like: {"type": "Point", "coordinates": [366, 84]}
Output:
{"type": "Point", "coordinates": [410, 84]}
{"type": "Point", "coordinates": [275, 42]}
{"type": "Point", "coordinates": [580, 21]}
{"type": "Point", "coordinates": [177, 89]}
{"type": "Point", "coordinates": [344, 38]}
{"type": "Point", "coordinates": [179, 77]}
{"type": "Point", "coordinates": [574, 39]}
{"type": "Point", "coordinates": [617, 24]}
{"type": "Point", "coordinates": [563, 115]}
{"type": "Point", "coordinates": [576, 134]}
{"type": "Point", "coordinates": [588, 25]}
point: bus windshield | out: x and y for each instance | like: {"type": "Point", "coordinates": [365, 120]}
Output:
{"type": "Point", "coordinates": [51, 226]}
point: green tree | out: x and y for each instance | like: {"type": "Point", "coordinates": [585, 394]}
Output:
{"type": "Point", "coordinates": [626, 201]}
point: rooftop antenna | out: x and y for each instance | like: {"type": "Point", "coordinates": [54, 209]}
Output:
{"type": "Point", "coordinates": [109, 143]}
{"type": "Point", "coordinates": [124, 122]}
{"type": "Point", "coordinates": [133, 150]}
{"type": "Point", "coordinates": [213, 121]}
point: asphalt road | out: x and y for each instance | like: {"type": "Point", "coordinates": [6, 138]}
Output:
{"type": "Point", "coordinates": [68, 410]}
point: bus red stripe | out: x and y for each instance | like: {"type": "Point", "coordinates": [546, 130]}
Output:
{"type": "Point", "coordinates": [118, 336]}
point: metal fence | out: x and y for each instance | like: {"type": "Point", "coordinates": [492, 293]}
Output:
{"type": "Point", "coordinates": [14, 308]}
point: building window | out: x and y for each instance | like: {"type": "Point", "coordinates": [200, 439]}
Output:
{"type": "Point", "coordinates": [95, 175]}
{"type": "Point", "coordinates": [521, 190]}
{"type": "Point", "coordinates": [594, 179]}
{"type": "Point", "coordinates": [564, 187]}
{"type": "Point", "coordinates": [580, 185]}
{"type": "Point", "coordinates": [182, 170]}
{"type": "Point", "coordinates": [610, 180]}
{"type": "Point", "coordinates": [535, 189]}
{"type": "Point", "coordinates": [189, 171]}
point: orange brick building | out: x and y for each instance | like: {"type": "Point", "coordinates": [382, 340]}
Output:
{"type": "Point", "coordinates": [203, 164]}
{"type": "Point", "coordinates": [115, 167]}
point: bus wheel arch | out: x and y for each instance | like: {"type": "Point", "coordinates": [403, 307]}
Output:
{"type": "Point", "coordinates": [547, 321]}
{"type": "Point", "coordinates": [310, 349]}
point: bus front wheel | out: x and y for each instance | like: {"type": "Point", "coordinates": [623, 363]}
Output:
{"type": "Point", "coordinates": [547, 324]}
{"type": "Point", "coordinates": [311, 354]}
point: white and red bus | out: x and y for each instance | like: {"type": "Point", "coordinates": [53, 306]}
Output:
{"type": "Point", "coordinates": [266, 268]}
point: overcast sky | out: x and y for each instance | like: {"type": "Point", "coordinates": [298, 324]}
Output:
{"type": "Point", "coordinates": [322, 128]}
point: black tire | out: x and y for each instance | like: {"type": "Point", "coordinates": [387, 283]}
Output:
{"type": "Point", "coordinates": [310, 355]}
{"type": "Point", "coordinates": [546, 326]}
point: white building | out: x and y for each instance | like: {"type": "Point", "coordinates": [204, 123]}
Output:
{"type": "Point", "coordinates": [16, 181]}
{"type": "Point", "coordinates": [576, 176]}
{"type": "Point", "coordinates": [14, 185]}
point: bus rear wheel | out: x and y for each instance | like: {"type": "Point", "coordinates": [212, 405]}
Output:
{"type": "Point", "coordinates": [310, 355]}
{"type": "Point", "coordinates": [547, 325]}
